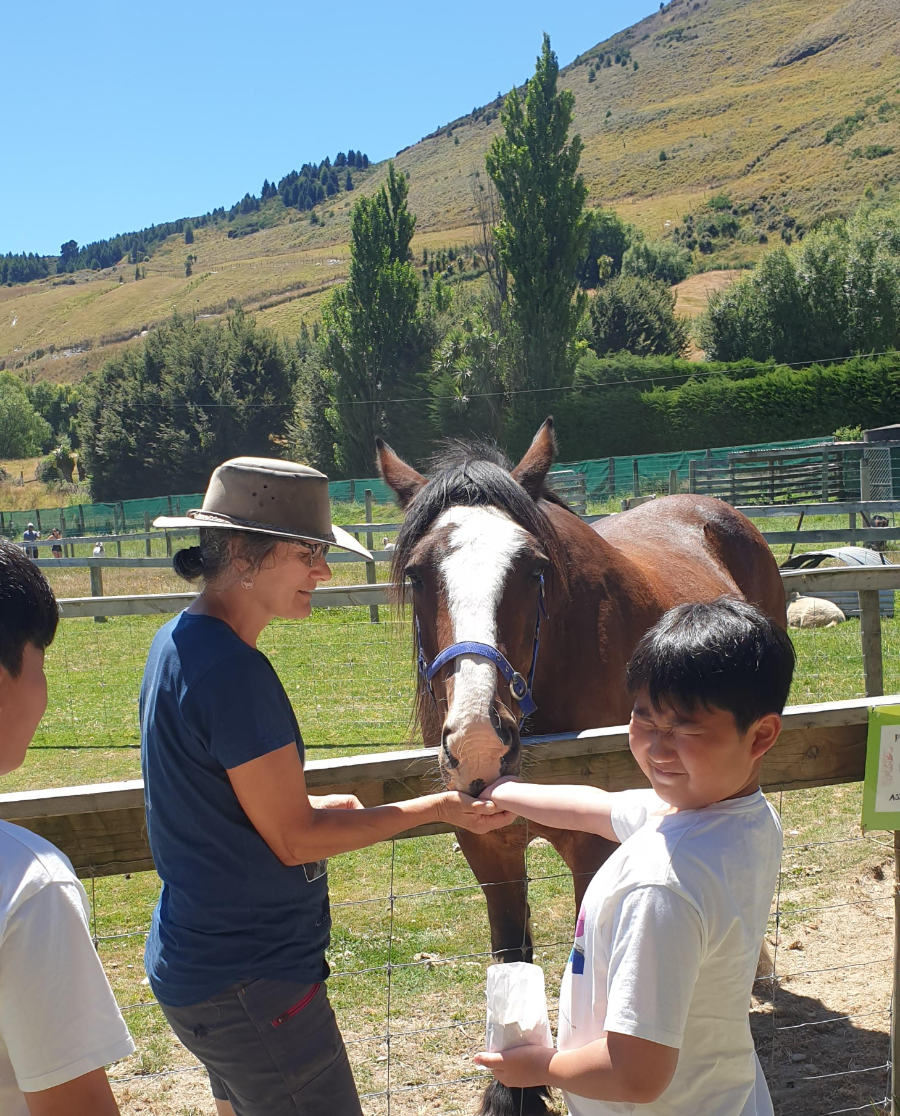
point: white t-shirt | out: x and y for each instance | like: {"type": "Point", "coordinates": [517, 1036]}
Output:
{"type": "Point", "coordinates": [58, 1017]}
{"type": "Point", "coordinates": [666, 948]}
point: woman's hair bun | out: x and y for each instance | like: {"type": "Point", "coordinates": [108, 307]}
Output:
{"type": "Point", "coordinates": [188, 563]}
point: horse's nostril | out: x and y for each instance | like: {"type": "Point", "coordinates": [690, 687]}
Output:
{"type": "Point", "coordinates": [448, 756]}
{"type": "Point", "coordinates": [476, 787]}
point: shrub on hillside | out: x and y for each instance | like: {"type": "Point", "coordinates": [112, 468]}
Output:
{"type": "Point", "coordinates": [657, 259]}
{"type": "Point", "coordinates": [835, 295]}
{"type": "Point", "coordinates": [636, 315]}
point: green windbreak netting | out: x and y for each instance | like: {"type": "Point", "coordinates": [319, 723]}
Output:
{"type": "Point", "coordinates": [615, 476]}
{"type": "Point", "coordinates": [604, 478]}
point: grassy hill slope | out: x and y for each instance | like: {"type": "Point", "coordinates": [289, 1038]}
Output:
{"type": "Point", "coordinates": [740, 95]}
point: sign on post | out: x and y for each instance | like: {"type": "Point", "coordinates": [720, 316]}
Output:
{"type": "Point", "coordinates": [881, 789]}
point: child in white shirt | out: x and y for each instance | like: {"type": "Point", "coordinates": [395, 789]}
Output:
{"type": "Point", "coordinates": [653, 1008]}
{"type": "Point", "coordinates": [59, 1023]}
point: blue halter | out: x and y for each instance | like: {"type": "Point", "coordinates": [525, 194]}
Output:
{"type": "Point", "coordinates": [519, 686]}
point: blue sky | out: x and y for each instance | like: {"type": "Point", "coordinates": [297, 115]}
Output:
{"type": "Point", "coordinates": [118, 115]}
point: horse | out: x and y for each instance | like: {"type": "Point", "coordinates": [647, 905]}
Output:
{"type": "Point", "coordinates": [523, 611]}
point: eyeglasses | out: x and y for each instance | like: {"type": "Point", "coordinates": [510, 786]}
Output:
{"type": "Point", "coordinates": [316, 551]}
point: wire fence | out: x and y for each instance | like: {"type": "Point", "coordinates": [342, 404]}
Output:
{"type": "Point", "coordinates": [410, 941]}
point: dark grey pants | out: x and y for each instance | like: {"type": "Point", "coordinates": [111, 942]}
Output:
{"type": "Point", "coordinates": [271, 1048]}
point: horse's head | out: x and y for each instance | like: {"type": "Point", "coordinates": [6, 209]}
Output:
{"type": "Point", "coordinates": [475, 556]}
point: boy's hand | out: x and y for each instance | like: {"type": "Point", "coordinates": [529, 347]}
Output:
{"type": "Point", "coordinates": [478, 815]}
{"type": "Point", "coordinates": [519, 1068]}
{"type": "Point", "coordinates": [488, 792]}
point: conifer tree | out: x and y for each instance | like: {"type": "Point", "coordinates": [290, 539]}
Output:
{"type": "Point", "coordinates": [189, 233]}
{"type": "Point", "coordinates": [542, 232]}
{"type": "Point", "coordinates": [377, 344]}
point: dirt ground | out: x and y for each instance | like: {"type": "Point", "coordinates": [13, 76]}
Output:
{"type": "Point", "coordinates": [798, 1058]}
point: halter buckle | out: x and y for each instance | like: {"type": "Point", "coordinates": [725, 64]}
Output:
{"type": "Point", "coordinates": [518, 686]}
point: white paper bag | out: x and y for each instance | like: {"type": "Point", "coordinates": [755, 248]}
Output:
{"type": "Point", "coordinates": [516, 1007]}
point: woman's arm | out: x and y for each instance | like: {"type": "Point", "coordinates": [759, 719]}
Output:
{"type": "Point", "coordinates": [272, 791]}
{"type": "Point", "coordinates": [586, 809]}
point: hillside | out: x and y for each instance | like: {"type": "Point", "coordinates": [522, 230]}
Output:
{"type": "Point", "coordinates": [790, 109]}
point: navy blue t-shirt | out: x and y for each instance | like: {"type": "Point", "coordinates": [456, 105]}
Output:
{"type": "Point", "coordinates": [229, 909]}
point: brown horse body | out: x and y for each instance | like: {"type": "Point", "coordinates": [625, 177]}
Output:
{"type": "Point", "coordinates": [606, 584]}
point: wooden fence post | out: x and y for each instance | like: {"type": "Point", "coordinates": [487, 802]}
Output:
{"type": "Point", "coordinates": [62, 531]}
{"type": "Point", "coordinates": [870, 638]}
{"type": "Point", "coordinates": [371, 569]}
{"type": "Point", "coordinates": [731, 482]}
{"type": "Point", "coordinates": [353, 492]}
{"type": "Point", "coordinates": [824, 476]}
{"type": "Point", "coordinates": [147, 532]}
{"type": "Point", "coordinates": [692, 475]}
{"type": "Point", "coordinates": [168, 545]}
{"type": "Point", "coordinates": [612, 478]}
{"type": "Point", "coordinates": [635, 477]}
{"type": "Point", "coordinates": [37, 519]}
{"type": "Point", "coordinates": [673, 481]}
{"type": "Point", "coordinates": [80, 523]}
{"type": "Point", "coordinates": [97, 588]}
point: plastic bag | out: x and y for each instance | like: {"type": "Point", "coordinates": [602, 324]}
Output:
{"type": "Point", "coordinates": [516, 1007]}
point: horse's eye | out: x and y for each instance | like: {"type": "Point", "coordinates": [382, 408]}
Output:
{"type": "Point", "coordinates": [539, 570]}
{"type": "Point", "coordinates": [412, 576]}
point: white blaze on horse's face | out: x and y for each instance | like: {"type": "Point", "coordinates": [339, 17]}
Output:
{"type": "Point", "coordinates": [483, 544]}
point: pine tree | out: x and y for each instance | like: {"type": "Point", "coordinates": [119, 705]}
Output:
{"type": "Point", "coordinates": [542, 232]}
{"type": "Point", "coordinates": [348, 182]}
{"type": "Point", "coordinates": [377, 344]}
{"type": "Point", "coordinates": [189, 233]}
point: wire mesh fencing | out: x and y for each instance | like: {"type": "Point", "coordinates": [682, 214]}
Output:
{"type": "Point", "coordinates": [410, 940]}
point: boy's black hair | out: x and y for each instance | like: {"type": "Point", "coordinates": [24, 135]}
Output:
{"type": "Point", "coordinates": [28, 609]}
{"type": "Point", "coordinates": [725, 654]}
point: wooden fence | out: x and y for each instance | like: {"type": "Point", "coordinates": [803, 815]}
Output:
{"type": "Point", "coordinates": [102, 829]}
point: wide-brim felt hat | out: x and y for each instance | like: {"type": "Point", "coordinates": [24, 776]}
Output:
{"type": "Point", "coordinates": [268, 496]}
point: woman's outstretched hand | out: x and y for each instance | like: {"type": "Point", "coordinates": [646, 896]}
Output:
{"type": "Point", "coordinates": [478, 815]}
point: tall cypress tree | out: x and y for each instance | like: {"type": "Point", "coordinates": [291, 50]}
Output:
{"type": "Point", "coordinates": [377, 343]}
{"type": "Point", "coordinates": [542, 232]}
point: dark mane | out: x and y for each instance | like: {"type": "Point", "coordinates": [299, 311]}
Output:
{"type": "Point", "coordinates": [475, 474]}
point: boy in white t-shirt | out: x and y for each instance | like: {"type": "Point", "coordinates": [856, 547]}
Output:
{"type": "Point", "coordinates": [59, 1023]}
{"type": "Point", "coordinates": [653, 1006]}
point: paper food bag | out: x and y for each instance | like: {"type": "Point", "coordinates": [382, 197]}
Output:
{"type": "Point", "coordinates": [516, 1007]}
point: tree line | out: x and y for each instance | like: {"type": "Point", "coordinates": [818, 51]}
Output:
{"type": "Point", "coordinates": [313, 184]}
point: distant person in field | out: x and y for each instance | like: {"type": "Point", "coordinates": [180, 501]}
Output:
{"type": "Point", "coordinates": [653, 1006]}
{"type": "Point", "coordinates": [56, 549]}
{"type": "Point", "coordinates": [236, 951]}
{"type": "Point", "coordinates": [29, 535]}
{"type": "Point", "coordinates": [59, 1024]}
{"type": "Point", "coordinates": [98, 550]}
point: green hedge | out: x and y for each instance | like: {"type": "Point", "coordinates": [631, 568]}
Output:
{"type": "Point", "coordinates": [718, 405]}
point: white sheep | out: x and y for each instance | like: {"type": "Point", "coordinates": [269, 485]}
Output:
{"type": "Point", "coordinates": [813, 612]}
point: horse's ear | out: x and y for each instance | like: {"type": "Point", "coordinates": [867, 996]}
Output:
{"type": "Point", "coordinates": [534, 466]}
{"type": "Point", "coordinates": [399, 476]}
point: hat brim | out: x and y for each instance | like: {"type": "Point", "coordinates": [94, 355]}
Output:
{"type": "Point", "coordinates": [194, 519]}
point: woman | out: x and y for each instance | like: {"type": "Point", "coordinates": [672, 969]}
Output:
{"type": "Point", "coordinates": [236, 952]}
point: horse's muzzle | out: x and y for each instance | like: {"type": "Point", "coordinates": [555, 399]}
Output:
{"type": "Point", "coordinates": [475, 755]}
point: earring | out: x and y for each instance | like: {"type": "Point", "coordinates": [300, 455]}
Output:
{"type": "Point", "coordinates": [247, 582]}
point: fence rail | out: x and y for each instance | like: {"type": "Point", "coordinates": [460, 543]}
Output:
{"type": "Point", "coordinates": [102, 829]}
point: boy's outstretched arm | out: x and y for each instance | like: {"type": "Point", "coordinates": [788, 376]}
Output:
{"type": "Point", "coordinates": [586, 809]}
{"type": "Point", "coordinates": [616, 1067]}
